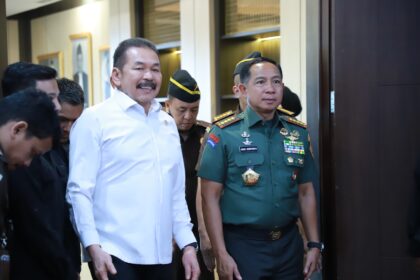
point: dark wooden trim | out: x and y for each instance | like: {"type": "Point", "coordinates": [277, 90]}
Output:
{"type": "Point", "coordinates": [3, 39]}
{"type": "Point", "coordinates": [25, 41]}
{"type": "Point", "coordinates": [219, 23]}
{"type": "Point", "coordinates": [51, 9]}
{"type": "Point", "coordinates": [326, 141]}
{"type": "Point", "coordinates": [138, 18]}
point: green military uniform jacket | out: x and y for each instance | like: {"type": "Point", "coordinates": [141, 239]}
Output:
{"type": "Point", "coordinates": [278, 151]}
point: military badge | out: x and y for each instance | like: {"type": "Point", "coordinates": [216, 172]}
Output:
{"type": "Point", "coordinates": [245, 134]}
{"type": "Point", "coordinates": [284, 131]}
{"type": "Point", "coordinates": [293, 147]}
{"type": "Point", "coordinates": [250, 177]}
{"type": "Point", "coordinates": [294, 175]}
{"type": "Point", "coordinates": [295, 134]}
{"type": "Point", "coordinates": [247, 142]}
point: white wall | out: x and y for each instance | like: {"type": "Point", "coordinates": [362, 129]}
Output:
{"type": "Point", "coordinates": [12, 41]}
{"type": "Point", "coordinates": [51, 34]}
{"type": "Point", "coordinates": [197, 46]}
{"type": "Point", "coordinates": [293, 48]}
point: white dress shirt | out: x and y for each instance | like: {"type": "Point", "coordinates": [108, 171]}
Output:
{"type": "Point", "coordinates": [127, 181]}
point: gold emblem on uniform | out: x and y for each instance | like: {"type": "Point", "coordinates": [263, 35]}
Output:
{"type": "Point", "coordinates": [250, 177]}
{"type": "Point", "coordinates": [283, 131]}
{"type": "Point", "coordinates": [300, 160]}
{"type": "Point", "coordinates": [290, 159]}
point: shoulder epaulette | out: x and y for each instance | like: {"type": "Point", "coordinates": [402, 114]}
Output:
{"type": "Point", "coordinates": [222, 116]}
{"type": "Point", "coordinates": [228, 121]}
{"type": "Point", "coordinates": [295, 121]}
{"type": "Point", "coordinates": [203, 123]}
{"type": "Point", "coordinates": [284, 111]}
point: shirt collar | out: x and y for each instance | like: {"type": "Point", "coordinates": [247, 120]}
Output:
{"type": "Point", "coordinates": [126, 102]}
{"type": "Point", "coordinates": [253, 118]}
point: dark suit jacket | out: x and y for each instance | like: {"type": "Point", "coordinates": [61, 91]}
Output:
{"type": "Point", "coordinates": [43, 242]}
{"type": "Point", "coordinates": [414, 216]}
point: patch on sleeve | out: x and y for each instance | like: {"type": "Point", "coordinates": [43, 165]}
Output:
{"type": "Point", "coordinates": [212, 140]}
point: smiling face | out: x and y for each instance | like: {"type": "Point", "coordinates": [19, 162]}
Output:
{"type": "Point", "coordinates": [184, 114]}
{"type": "Point", "coordinates": [18, 148]}
{"type": "Point", "coordinates": [140, 77]}
{"type": "Point", "coordinates": [264, 88]}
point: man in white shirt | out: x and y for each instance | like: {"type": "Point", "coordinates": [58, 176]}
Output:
{"type": "Point", "coordinates": [127, 178]}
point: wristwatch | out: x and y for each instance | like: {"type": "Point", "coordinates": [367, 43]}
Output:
{"type": "Point", "coordinates": [194, 244]}
{"type": "Point", "coordinates": [318, 245]}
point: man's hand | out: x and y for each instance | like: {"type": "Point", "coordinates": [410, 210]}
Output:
{"type": "Point", "coordinates": [102, 262]}
{"type": "Point", "coordinates": [207, 252]}
{"type": "Point", "coordinates": [189, 260]}
{"type": "Point", "coordinates": [227, 268]}
{"type": "Point", "coordinates": [312, 262]}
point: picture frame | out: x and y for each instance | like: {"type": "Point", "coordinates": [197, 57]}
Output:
{"type": "Point", "coordinates": [81, 46]}
{"type": "Point", "coordinates": [105, 71]}
{"type": "Point", "coordinates": [53, 60]}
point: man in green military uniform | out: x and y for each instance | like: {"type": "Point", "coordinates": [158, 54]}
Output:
{"type": "Point", "coordinates": [257, 172]}
{"type": "Point", "coordinates": [183, 104]}
{"type": "Point", "coordinates": [290, 102]}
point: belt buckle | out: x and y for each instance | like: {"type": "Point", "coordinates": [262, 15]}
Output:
{"type": "Point", "coordinates": [275, 234]}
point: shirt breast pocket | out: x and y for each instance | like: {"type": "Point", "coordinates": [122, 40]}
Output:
{"type": "Point", "coordinates": [249, 169]}
{"type": "Point", "coordinates": [249, 160]}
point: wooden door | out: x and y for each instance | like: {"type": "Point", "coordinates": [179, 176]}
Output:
{"type": "Point", "coordinates": [370, 57]}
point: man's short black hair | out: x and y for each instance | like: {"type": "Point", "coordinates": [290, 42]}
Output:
{"type": "Point", "coordinates": [119, 54]}
{"type": "Point", "coordinates": [22, 75]}
{"type": "Point", "coordinates": [36, 109]}
{"type": "Point", "coordinates": [246, 73]}
{"type": "Point", "coordinates": [70, 92]}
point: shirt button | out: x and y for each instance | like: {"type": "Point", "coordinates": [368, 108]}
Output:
{"type": "Point", "coordinates": [249, 161]}
{"type": "Point", "coordinates": [273, 162]}
{"type": "Point", "coordinates": [277, 205]}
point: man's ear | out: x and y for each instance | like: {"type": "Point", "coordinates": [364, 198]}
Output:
{"type": "Point", "coordinates": [167, 103]}
{"type": "Point", "coordinates": [19, 128]}
{"type": "Point", "coordinates": [116, 77]}
{"type": "Point", "coordinates": [242, 89]}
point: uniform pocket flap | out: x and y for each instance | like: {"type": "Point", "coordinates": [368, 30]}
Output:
{"type": "Point", "coordinates": [249, 159]}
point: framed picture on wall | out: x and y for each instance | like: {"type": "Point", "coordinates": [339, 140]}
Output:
{"type": "Point", "coordinates": [82, 64]}
{"type": "Point", "coordinates": [53, 60]}
{"type": "Point", "coordinates": [105, 67]}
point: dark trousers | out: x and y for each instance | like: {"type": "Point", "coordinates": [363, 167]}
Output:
{"type": "Point", "coordinates": [259, 258]}
{"type": "Point", "coordinates": [127, 271]}
{"type": "Point", "coordinates": [179, 271]}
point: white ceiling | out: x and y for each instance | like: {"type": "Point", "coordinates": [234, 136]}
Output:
{"type": "Point", "coordinates": [14, 7]}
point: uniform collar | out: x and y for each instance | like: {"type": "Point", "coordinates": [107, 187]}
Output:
{"type": "Point", "coordinates": [126, 102]}
{"type": "Point", "coordinates": [253, 118]}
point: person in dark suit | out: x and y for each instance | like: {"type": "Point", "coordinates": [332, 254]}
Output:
{"type": "Point", "coordinates": [183, 104]}
{"type": "Point", "coordinates": [28, 124]}
{"type": "Point", "coordinates": [39, 247]}
{"type": "Point", "coordinates": [80, 76]}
